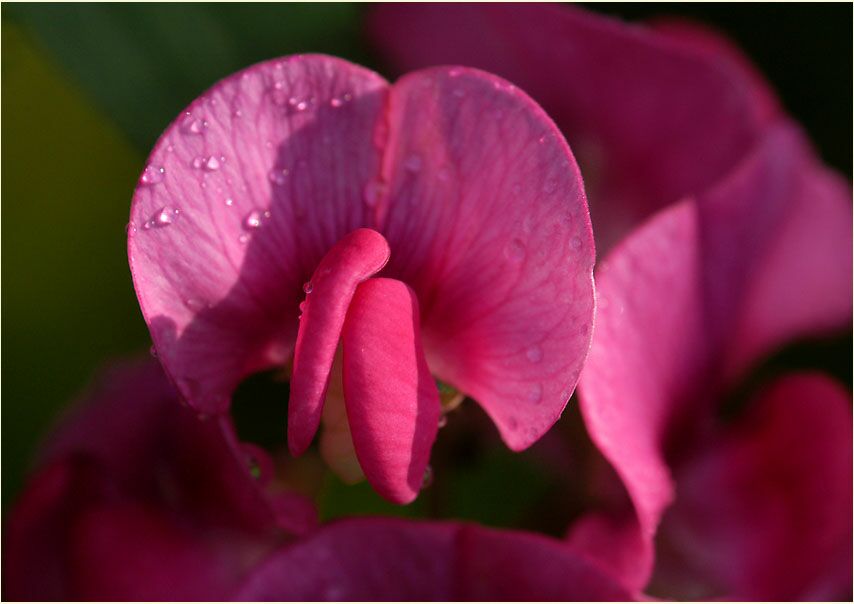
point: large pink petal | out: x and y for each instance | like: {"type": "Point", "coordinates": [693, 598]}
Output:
{"type": "Point", "coordinates": [242, 196]}
{"type": "Point", "coordinates": [391, 398]}
{"type": "Point", "coordinates": [646, 355]}
{"type": "Point", "coordinates": [765, 512]}
{"type": "Point", "coordinates": [353, 259]}
{"type": "Point", "coordinates": [398, 560]}
{"type": "Point", "coordinates": [649, 119]}
{"type": "Point", "coordinates": [484, 209]}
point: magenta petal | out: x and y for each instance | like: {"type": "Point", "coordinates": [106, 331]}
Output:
{"type": "Point", "coordinates": [485, 212]}
{"type": "Point", "coordinates": [646, 353]}
{"type": "Point", "coordinates": [638, 109]}
{"type": "Point", "coordinates": [392, 401]}
{"type": "Point", "coordinates": [243, 195]}
{"type": "Point", "coordinates": [398, 560]}
{"type": "Point", "coordinates": [764, 513]}
{"type": "Point", "coordinates": [352, 260]}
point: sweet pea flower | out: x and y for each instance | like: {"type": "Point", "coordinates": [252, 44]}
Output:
{"type": "Point", "coordinates": [135, 498]}
{"type": "Point", "coordinates": [652, 113]}
{"type": "Point", "coordinates": [756, 507]}
{"type": "Point", "coordinates": [436, 226]}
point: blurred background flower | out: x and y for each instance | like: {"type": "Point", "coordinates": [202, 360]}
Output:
{"type": "Point", "coordinates": [89, 88]}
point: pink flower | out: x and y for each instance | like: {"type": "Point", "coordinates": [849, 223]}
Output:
{"type": "Point", "coordinates": [436, 226]}
{"type": "Point", "coordinates": [743, 244]}
{"type": "Point", "coordinates": [135, 498]}
{"type": "Point", "coordinates": [688, 304]}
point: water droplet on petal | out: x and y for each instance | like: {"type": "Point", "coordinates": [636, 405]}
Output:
{"type": "Point", "coordinates": [336, 102]}
{"type": "Point", "coordinates": [535, 394]}
{"type": "Point", "coordinates": [130, 227]}
{"type": "Point", "coordinates": [307, 287]}
{"type": "Point", "coordinates": [162, 218]}
{"type": "Point", "coordinates": [413, 163]}
{"type": "Point", "coordinates": [374, 190]}
{"type": "Point", "coordinates": [428, 477]}
{"type": "Point", "coordinates": [212, 164]}
{"type": "Point", "coordinates": [443, 421]}
{"type": "Point", "coordinates": [244, 238]}
{"type": "Point", "coordinates": [575, 243]}
{"type": "Point", "coordinates": [534, 354]}
{"type": "Point", "coordinates": [152, 175]}
{"type": "Point", "coordinates": [278, 176]}
{"type": "Point", "coordinates": [515, 250]}
{"type": "Point", "coordinates": [229, 202]}
{"type": "Point", "coordinates": [198, 162]}
{"type": "Point", "coordinates": [193, 125]}
{"type": "Point", "coordinates": [252, 220]}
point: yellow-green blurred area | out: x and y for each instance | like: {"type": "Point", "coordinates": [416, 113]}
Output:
{"type": "Point", "coordinates": [87, 89]}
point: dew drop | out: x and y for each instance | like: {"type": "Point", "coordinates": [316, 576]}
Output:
{"type": "Point", "coordinates": [443, 421]}
{"type": "Point", "coordinates": [534, 354]}
{"type": "Point", "coordinates": [535, 394]}
{"type": "Point", "coordinates": [428, 477]}
{"type": "Point", "coordinates": [515, 250]}
{"type": "Point", "coordinates": [193, 125]}
{"type": "Point", "coordinates": [229, 202]}
{"type": "Point", "coordinates": [278, 176]}
{"type": "Point", "coordinates": [162, 218]}
{"type": "Point", "coordinates": [252, 220]}
{"type": "Point", "coordinates": [244, 238]}
{"type": "Point", "coordinates": [336, 102]}
{"type": "Point", "coordinates": [198, 162]}
{"type": "Point", "coordinates": [152, 175]}
{"type": "Point", "coordinates": [307, 287]}
{"type": "Point", "coordinates": [575, 243]}
{"type": "Point", "coordinates": [212, 163]}
{"type": "Point", "coordinates": [373, 192]}
{"type": "Point", "coordinates": [130, 227]}
{"type": "Point", "coordinates": [413, 163]}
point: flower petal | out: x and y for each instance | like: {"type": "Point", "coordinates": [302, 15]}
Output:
{"type": "Point", "coordinates": [649, 120]}
{"type": "Point", "coordinates": [647, 353]}
{"type": "Point", "coordinates": [385, 559]}
{"type": "Point", "coordinates": [242, 196]}
{"type": "Point", "coordinates": [485, 213]}
{"type": "Point", "coordinates": [353, 259]}
{"type": "Point", "coordinates": [765, 512]}
{"type": "Point", "coordinates": [391, 398]}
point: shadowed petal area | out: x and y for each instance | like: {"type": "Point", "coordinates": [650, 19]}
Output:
{"type": "Point", "coordinates": [353, 259]}
{"type": "Point", "coordinates": [136, 498]}
{"type": "Point", "coordinates": [378, 559]}
{"type": "Point", "coordinates": [698, 294]}
{"type": "Point", "coordinates": [242, 196]}
{"type": "Point", "coordinates": [391, 398]}
{"type": "Point", "coordinates": [765, 512]}
{"type": "Point", "coordinates": [650, 120]}
{"type": "Point", "coordinates": [485, 212]}
{"type": "Point", "coordinates": [646, 355]}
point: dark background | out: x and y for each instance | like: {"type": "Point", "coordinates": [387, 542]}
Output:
{"type": "Point", "coordinates": [88, 88]}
